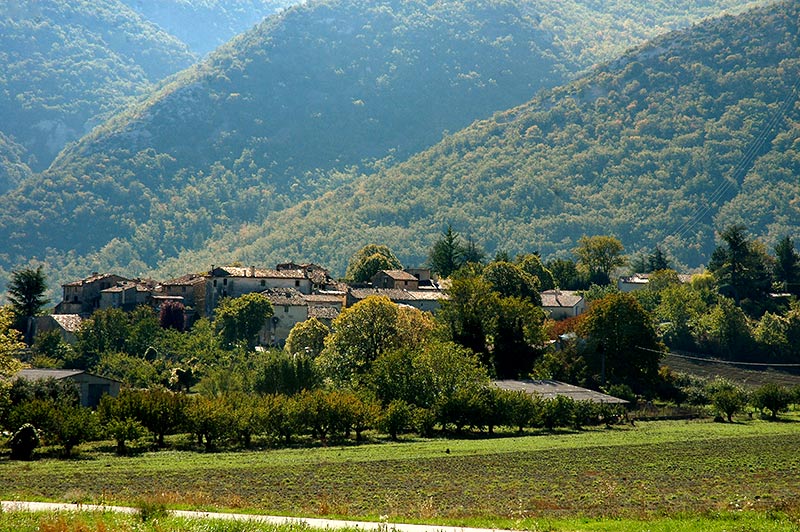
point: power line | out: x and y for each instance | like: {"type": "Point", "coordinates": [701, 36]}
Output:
{"type": "Point", "coordinates": [717, 361]}
{"type": "Point", "coordinates": [744, 163]}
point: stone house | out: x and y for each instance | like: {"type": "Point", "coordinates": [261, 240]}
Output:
{"type": "Point", "coordinates": [127, 295]}
{"type": "Point", "coordinates": [83, 296]}
{"type": "Point", "coordinates": [234, 281]}
{"type": "Point", "coordinates": [399, 279]}
{"type": "Point", "coordinates": [561, 304]}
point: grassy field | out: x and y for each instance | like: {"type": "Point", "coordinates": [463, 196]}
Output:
{"type": "Point", "coordinates": [103, 522]}
{"type": "Point", "coordinates": [748, 376]}
{"type": "Point", "coordinates": [659, 472]}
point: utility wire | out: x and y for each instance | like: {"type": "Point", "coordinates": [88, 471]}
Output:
{"type": "Point", "coordinates": [717, 361]}
{"type": "Point", "coordinates": [744, 163]}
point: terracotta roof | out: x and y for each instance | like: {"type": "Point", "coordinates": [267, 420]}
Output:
{"type": "Point", "coordinates": [186, 280]}
{"type": "Point", "coordinates": [549, 389]}
{"type": "Point", "coordinates": [324, 299]}
{"type": "Point", "coordinates": [285, 296]}
{"type": "Point", "coordinates": [399, 275]}
{"type": "Point", "coordinates": [560, 298]}
{"type": "Point", "coordinates": [92, 279]}
{"type": "Point", "coordinates": [322, 312]}
{"type": "Point", "coordinates": [398, 294]}
{"type": "Point", "coordinates": [260, 273]}
{"type": "Point", "coordinates": [68, 322]}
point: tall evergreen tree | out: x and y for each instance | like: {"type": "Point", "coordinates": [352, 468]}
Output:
{"type": "Point", "coordinates": [786, 271]}
{"type": "Point", "coordinates": [739, 266]}
{"type": "Point", "coordinates": [26, 292]}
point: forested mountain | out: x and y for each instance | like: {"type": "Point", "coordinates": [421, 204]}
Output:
{"type": "Point", "coordinates": [685, 135]}
{"type": "Point", "coordinates": [67, 63]}
{"type": "Point", "coordinates": [13, 169]}
{"type": "Point", "coordinates": [265, 119]}
{"type": "Point", "coordinates": [204, 25]}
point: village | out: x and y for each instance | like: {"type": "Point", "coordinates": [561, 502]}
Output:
{"type": "Point", "coordinates": [297, 292]}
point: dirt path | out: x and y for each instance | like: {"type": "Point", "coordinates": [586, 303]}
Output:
{"type": "Point", "coordinates": [10, 506]}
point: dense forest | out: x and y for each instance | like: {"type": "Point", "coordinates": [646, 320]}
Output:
{"type": "Point", "coordinates": [68, 64]}
{"type": "Point", "coordinates": [276, 115]}
{"type": "Point", "coordinates": [677, 139]}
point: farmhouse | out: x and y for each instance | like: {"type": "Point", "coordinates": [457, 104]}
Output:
{"type": "Point", "coordinates": [560, 304]}
{"type": "Point", "coordinates": [90, 387]}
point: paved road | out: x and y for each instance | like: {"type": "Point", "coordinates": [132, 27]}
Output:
{"type": "Point", "coordinates": [10, 506]}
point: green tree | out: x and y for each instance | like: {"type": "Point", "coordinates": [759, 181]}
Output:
{"type": "Point", "coordinates": [517, 337]}
{"type": "Point", "coordinates": [307, 337]}
{"type": "Point", "coordinates": [678, 311]}
{"type": "Point", "coordinates": [509, 280]}
{"type": "Point", "coordinates": [532, 264]}
{"type": "Point", "coordinates": [240, 319]}
{"type": "Point", "coordinates": [72, 425]}
{"type": "Point", "coordinates": [727, 398]}
{"type": "Point", "coordinates": [565, 274]}
{"type": "Point", "coordinates": [740, 267]}
{"type": "Point", "coordinates": [599, 255]}
{"type": "Point", "coordinates": [368, 261]}
{"type": "Point", "coordinates": [447, 253]}
{"type": "Point", "coordinates": [467, 312]}
{"type": "Point", "coordinates": [657, 260]}
{"type": "Point", "coordinates": [26, 292]}
{"type": "Point", "coordinates": [106, 331]}
{"type": "Point", "coordinates": [360, 334]}
{"type": "Point", "coordinates": [621, 342]}
{"type": "Point", "coordinates": [724, 330]}
{"type": "Point", "coordinates": [284, 373]}
{"type": "Point", "coordinates": [771, 335]}
{"type": "Point", "coordinates": [773, 398]}
{"type": "Point", "coordinates": [11, 344]}
{"type": "Point", "coordinates": [786, 272]}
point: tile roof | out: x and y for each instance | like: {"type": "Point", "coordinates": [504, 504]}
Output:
{"type": "Point", "coordinates": [285, 296]}
{"type": "Point", "coordinates": [548, 389]}
{"type": "Point", "coordinates": [398, 294]}
{"type": "Point", "coordinates": [260, 273]}
{"type": "Point", "coordinates": [328, 299]}
{"type": "Point", "coordinates": [322, 312]}
{"type": "Point", "coordinates": [92, 279]}
{"type": "Point", "coordinates": [68, 322]}
{"type": "Point", "coordinates": [399, 275]}
{"type": "Point", "coordinates": [186, 280]}
{"type": "Point", "coordinates": [560, 298]}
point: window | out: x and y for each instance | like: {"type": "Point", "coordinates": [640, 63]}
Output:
{"type": "Point", "coordinates": [297, 282]}
{"type": "Point", "coordinates": [215, 282]}
{"type": "Point", "coordinates": [286, 308]}
{"type": "Point", "coordinates": [225, 281]}
{"type": "Point", "coordinates": [263, 282]}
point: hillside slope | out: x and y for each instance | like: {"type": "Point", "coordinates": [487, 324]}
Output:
{"type": "Point", "coordinates": [688, 134]}
{"type": "Point", "coordinates": [204, 25]}
{"type": "Point", "coordinates": [65, 64]}
{"type": "Point", "coordinates": [265, 119]}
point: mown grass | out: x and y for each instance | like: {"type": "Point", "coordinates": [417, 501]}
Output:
{"type": "Point", "coordinates": [651, 473]}
{"type": "Point", "coordinates": [104, 522]}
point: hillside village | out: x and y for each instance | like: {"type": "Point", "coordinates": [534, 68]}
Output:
{"type": "Point", "coordinates": [297, 292]}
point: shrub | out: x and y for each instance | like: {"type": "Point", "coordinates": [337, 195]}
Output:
{"type": "Point", "coordinates": [24, 442]}
{"type": "Point", "coordinates": [124, 430]}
